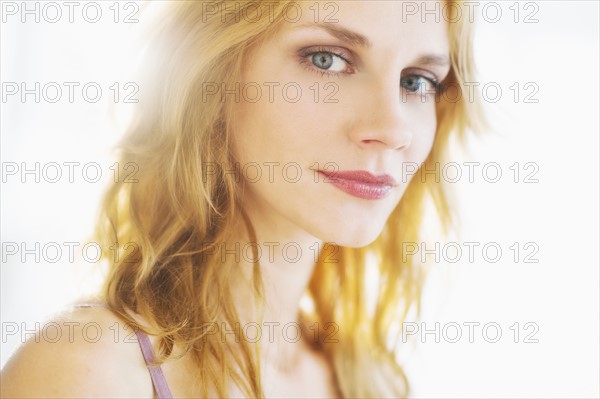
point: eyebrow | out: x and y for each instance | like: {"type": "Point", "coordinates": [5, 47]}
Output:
{"type": "Point", "coordinates": [434, 60]}
{"type": "Point", "coordinates": [356, 39]}
{"type": "Point", "coordinates": [341, 33]}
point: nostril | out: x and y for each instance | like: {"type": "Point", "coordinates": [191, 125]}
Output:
{"type": "Point", "coordinates": [391, 143]}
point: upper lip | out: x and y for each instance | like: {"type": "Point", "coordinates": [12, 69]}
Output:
{"type": "Point", "coordinates": [361, 176]}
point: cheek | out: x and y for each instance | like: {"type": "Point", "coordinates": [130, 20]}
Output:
{"type": "Point", "coordinates": [279, 131]}
{"type": "Point", "coordinates": [424, 126]}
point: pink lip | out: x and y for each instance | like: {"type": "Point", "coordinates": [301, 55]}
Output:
{"type": "Point", "coordinates": [361, 184]}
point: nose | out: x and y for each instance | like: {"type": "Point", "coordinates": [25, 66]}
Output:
{"type": "Point", "coordinates": [381, 121]}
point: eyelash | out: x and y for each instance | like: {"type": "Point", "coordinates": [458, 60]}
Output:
{"type": "Point", "coordinates": [306, 60]}
{"type": "Point", "coordinates": [437, 86]}
{"type": "Point", "coordinates": [306, 56]}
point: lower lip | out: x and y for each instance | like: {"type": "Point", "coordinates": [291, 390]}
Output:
{"type": "Point", "coordinates": [359, 189]}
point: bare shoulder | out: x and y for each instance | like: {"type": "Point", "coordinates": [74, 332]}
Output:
{"type": "Point", "coordinates": [83, 352]}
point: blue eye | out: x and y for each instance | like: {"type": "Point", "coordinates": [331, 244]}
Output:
{"type": "Point", "coordinates": [322, 60]}
{"type": "Point", "coordinates": [328, 61]}
{"type": "Point", "coordinates": [419, 84]}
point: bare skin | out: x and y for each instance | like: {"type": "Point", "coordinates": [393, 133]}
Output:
{"type": "Point", "coordinates": [83, 363]}
{"type": "Point", "coordinates": [367, 129]}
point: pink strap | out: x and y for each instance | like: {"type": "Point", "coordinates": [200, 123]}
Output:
{"type": "Point", "coordinates": [156, 374]}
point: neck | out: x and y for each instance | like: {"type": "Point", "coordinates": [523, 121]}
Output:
{"type": "Point", "coordinates": [287, 259]}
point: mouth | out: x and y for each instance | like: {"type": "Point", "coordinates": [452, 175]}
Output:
{"type": "Point", "coordinates": [361, 184]}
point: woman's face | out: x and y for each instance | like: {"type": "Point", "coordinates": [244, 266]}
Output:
{"type": "Point", "coordinates": [348, 88]}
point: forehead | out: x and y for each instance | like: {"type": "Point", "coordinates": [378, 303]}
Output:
{"type": "Point", "coordinates": [390, 25]}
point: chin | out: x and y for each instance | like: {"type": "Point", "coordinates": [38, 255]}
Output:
{"type": "Point", "coordinates": [354, 236]}
{"type": "Point", "coordinates": [358, 242]}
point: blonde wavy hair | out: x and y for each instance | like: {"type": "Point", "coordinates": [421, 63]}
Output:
{"type": "Point", "coordinates": [166, 224]}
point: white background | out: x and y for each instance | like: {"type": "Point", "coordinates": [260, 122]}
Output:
{"type": "Point", "coordinates": [559, 213]}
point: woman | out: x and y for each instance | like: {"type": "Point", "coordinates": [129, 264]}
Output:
{"type": "Point", "coordinates": [274, 154]}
